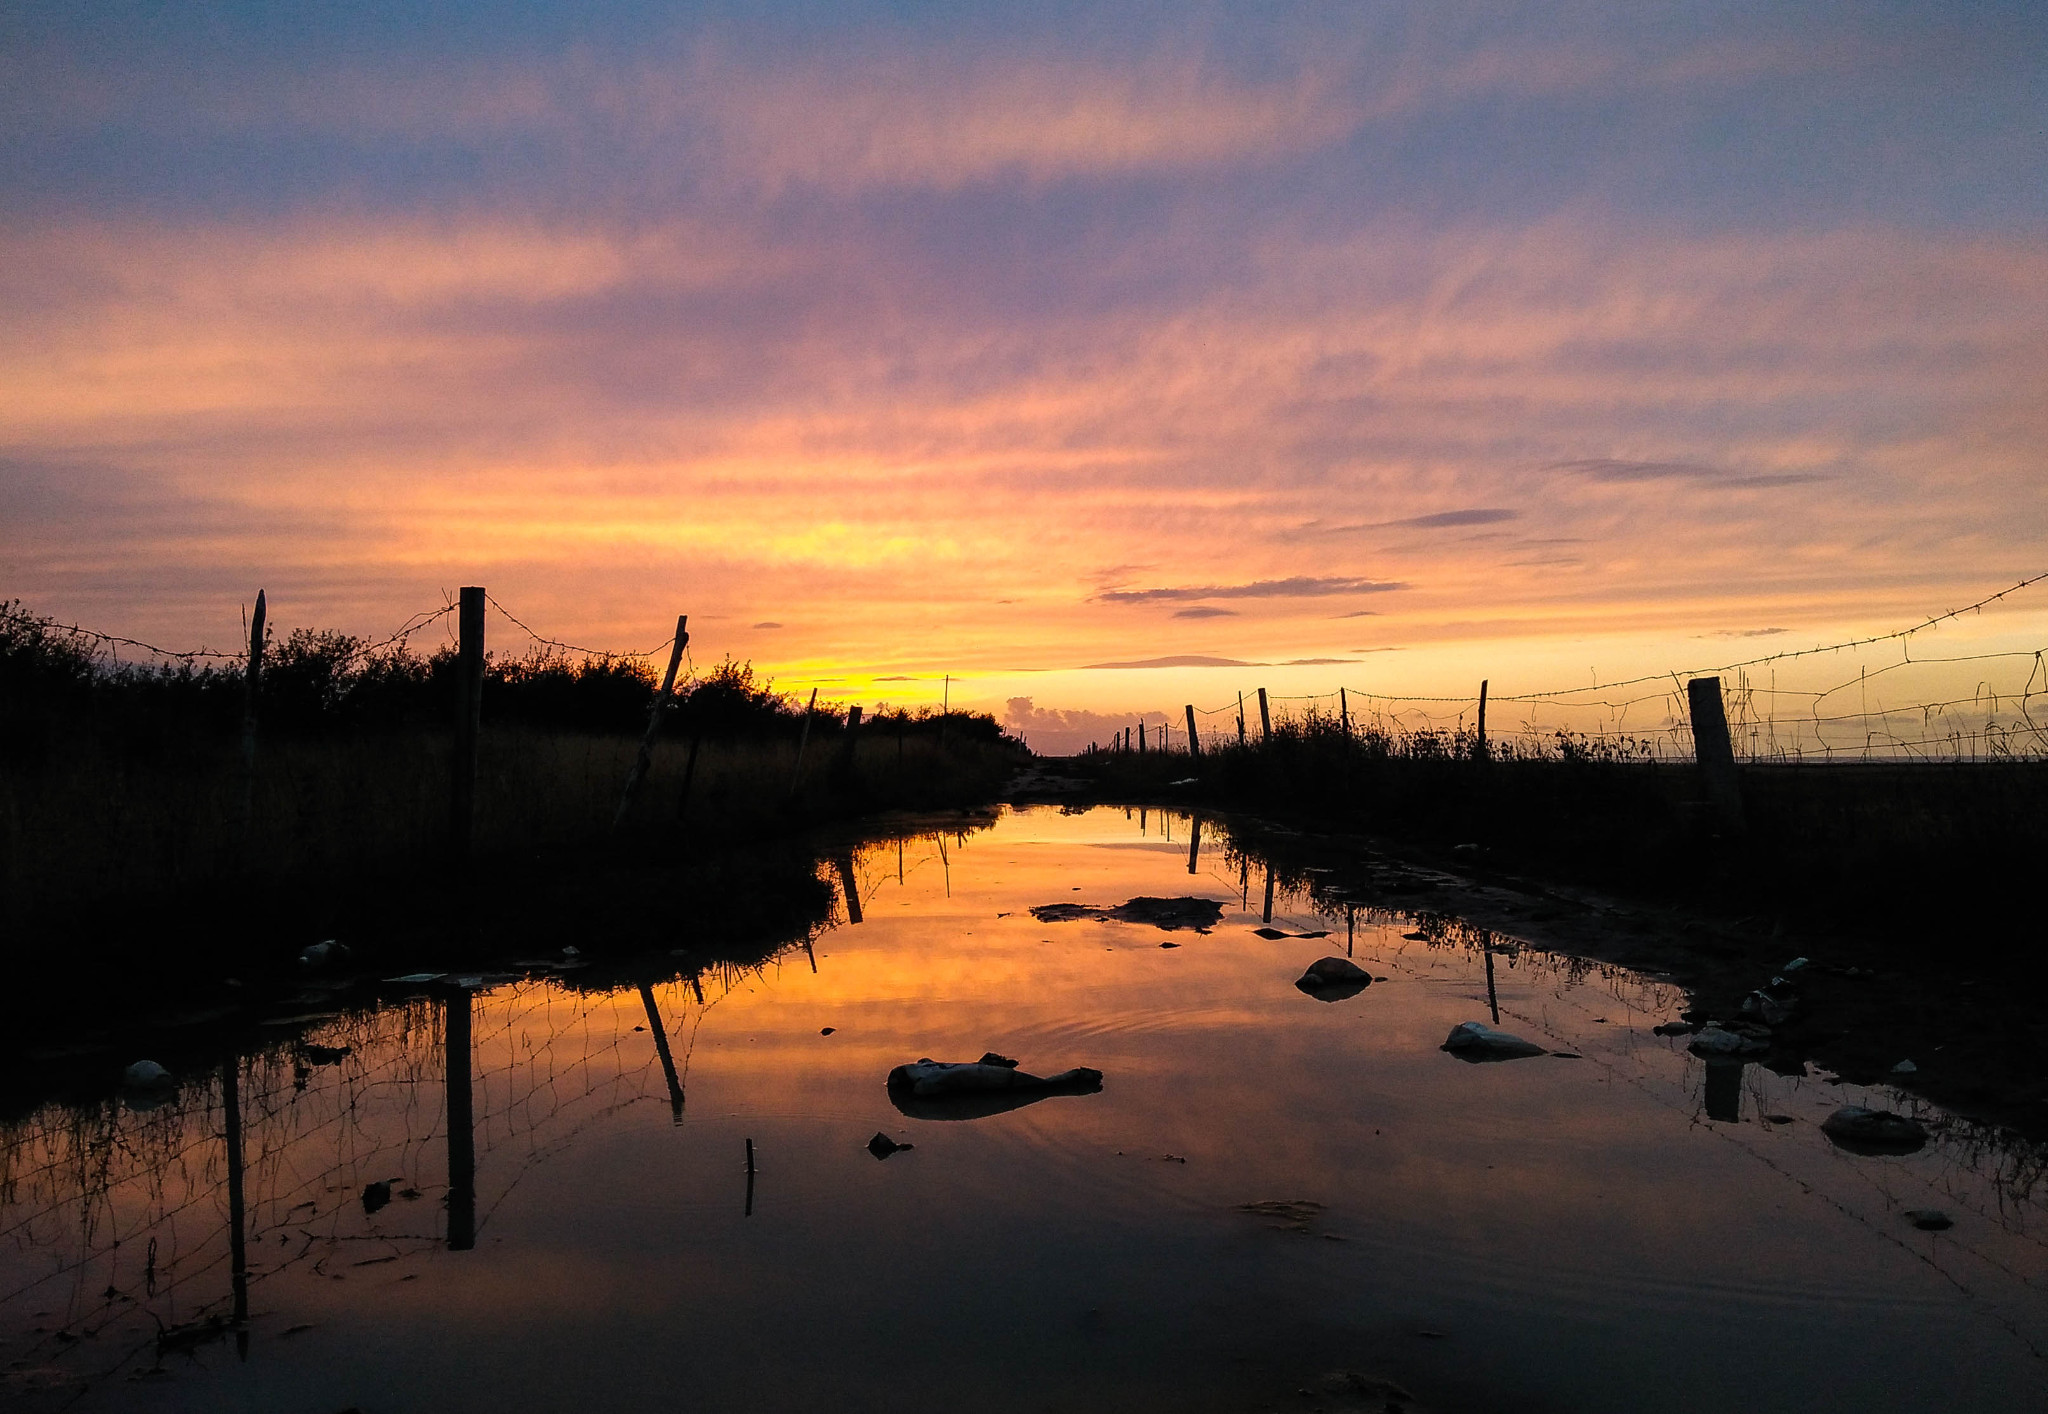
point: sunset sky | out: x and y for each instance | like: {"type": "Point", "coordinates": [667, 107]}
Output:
{"type": "Point", "coordinates": [897, 341]}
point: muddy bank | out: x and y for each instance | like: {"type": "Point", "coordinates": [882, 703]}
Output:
{"type": "Point", "coordinates": [1942, 999]}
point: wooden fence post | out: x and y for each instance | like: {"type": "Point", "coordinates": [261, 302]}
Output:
{"type": "Point", "coordinates": [1265, 719]}
{"type": "Point", "coordinates": [1240, 719]}
{"type": "Point", "coordinates": [1194, 737]}
{"type": "Point", "coordinates": [1714, 752]}
{"type": "Point", "coordinates": [804, 741]}
{"type": "Point", "coordinates": [645, 758]}
{"type": "Point", "coordinates": [1344, 712]}
{"type": "Point", "coordinates": [1141, 736]}
{"type": "Point", "coordinates": [469, 708]}
{"type": "Point", "coordinates": [1479, 743]}
{"type": "Point", "coordinates": [251, 679]}
{"type": "Point", "coordinates": [845, 769]}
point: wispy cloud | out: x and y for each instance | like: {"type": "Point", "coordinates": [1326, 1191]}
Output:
{"type": "Point", "coordinates": [1440, 520]}
{"type": "Point", "coordinates": [1205, 611]}
{"type": "Point", "coordinates": [1300, 587]}
{"type": "Point", "coordinates": [1608, 469]}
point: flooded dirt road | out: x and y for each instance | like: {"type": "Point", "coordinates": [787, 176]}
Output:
{"type": "Point", "coordinates": [530, 1189]}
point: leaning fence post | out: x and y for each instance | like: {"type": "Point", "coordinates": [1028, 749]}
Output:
{"type": "Point", "coordinates": [1265, 719]}
{"type": "Point", "coordinates": [1194, 737]}
{"type": "Point", "coordinates": [1240, 719]}
{"type": "Point", "coordinates": [469, 708]}
{"type": "Point", "coordinates": [645, 758]}
{"type": "Point", "coordinates": [1479, 742]}
{"type": "Point", "coordinates": [802, 742]}
{"type": "Point", "coordinates": [1714, 752]}
{"type": "Point", "coordinates": [251, 678]}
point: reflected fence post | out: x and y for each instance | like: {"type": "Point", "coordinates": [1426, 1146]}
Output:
{"type": "Point", "coordinates": [1492, 1001]}
{"type": "Point", "coordinates": [238, 1242]}
{"type": "Point", "coordinates": [849, 887]}
{"type": "Point", "coordinates": [1194, 842]}
{"type": "Point", "coordinates": [455, 1045]}
{"type": "Point", "coordinates": [1267, 916]}
{"type": "Point", "coordinates": [668, 1061]}
{"type": "Point", "coordinates": [1723, 1091]}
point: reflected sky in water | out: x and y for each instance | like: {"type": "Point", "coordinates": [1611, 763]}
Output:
{"type": "Point", "coordinates": [1590, 1233]}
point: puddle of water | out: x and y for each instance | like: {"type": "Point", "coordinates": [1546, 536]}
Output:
{"type": "Point", "coordinates": [1620, 1231]}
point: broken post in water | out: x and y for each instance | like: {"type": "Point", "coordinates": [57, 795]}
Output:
{"type": "Point", "coordinates": [646, 757]}
{"type": "Point", "coordinates": [1265, 719]}
{"type": "Point", "coordinates": [1194, 737]}
{"type": "Point", "coordinates": [469, 711]}
{"type": "Point", "coordinates": [1714, 752]}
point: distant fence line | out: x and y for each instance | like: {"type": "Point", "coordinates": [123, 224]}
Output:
{"type": "Point", "coordinates": [1765, 721]}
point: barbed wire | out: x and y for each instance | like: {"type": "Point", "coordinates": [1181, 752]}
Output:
{"type": "Point", "coordinates": [541, 638]}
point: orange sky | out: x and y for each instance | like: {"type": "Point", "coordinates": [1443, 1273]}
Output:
{"type": "Point", "coordinates": [1539, 350]}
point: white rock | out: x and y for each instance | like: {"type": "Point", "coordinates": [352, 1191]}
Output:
{"type": "Point", "coordinates": [147, 1075]}
{"type": "Point", "coordinates": [1474, 1040]}
{"type": "Point", "coordinates": [1713, 1041]}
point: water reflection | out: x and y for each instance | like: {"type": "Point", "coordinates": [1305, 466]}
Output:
{"type": "Point", "coordinates": [1568, 1231]}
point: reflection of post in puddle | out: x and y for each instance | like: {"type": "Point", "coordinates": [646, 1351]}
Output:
{"type": "Point", "coordinates": [238, 1246]}
{"type": "Point", "coordinates": [1143, 829]}
{"type": "Point", "coordinates": [945, 864]}
{"type": "Point", "coordinates": [847, 886]}
{"type": "Point", "coordinates": [668, 1061]}
{"type": "Point", "coordinates": [1244, 882]}
{"type": "Point", "coordinates": [455, 1046]}
{"type": "Point", "coordinates": [1492, 1001]}
{"type": "Point", "coordinates": [1724, 1091]}
{"type": "Point", "coordinates": [750, 1179]}
{"type": "Point", "coordinates": [1194, 842]}
{"type": "Point", "coordinates": [1268, 915]}
{"type": "Point", "coordinates": [1351, 930]}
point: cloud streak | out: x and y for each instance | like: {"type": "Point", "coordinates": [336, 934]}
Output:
{"type": "Point", "coordinates": [1297, 587]}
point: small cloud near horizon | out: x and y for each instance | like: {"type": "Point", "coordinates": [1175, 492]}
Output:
{"type": "Point", "coordinates": [1310, 662]}
{"type": "Point", "coordinates": [1747, 632]}
{"type": "Point", "coordinates": [1361, 614]}
{"type": "Point", "coordinates": [1299, 587]}
{"type": "Point", "coordinates": [767, 624]}
{"type": "Point", "coordinates": [1178, 660]}
{"type": "Point", "coordinates": [1205, 611]}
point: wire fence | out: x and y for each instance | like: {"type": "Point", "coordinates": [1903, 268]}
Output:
{"type": "Point", "coordinates": [1903, 708]}
{"type": "Point", "coordinates": [1891, 709]}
